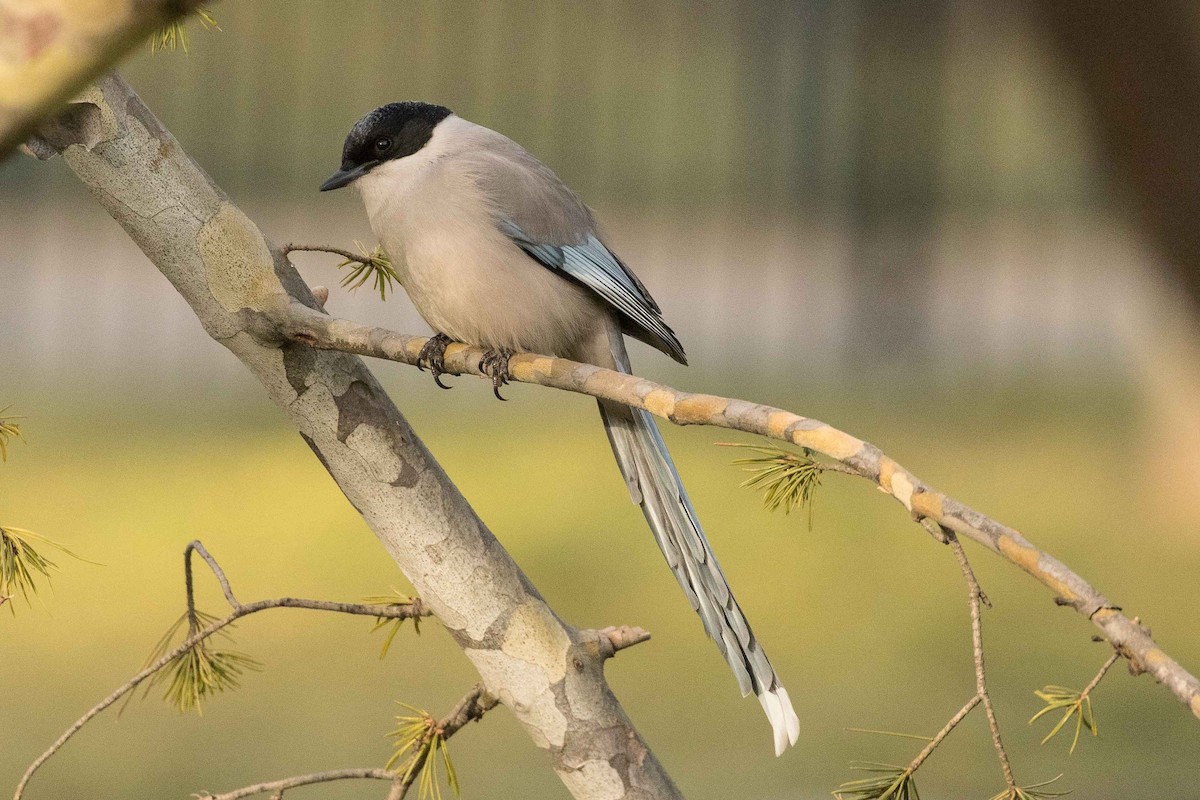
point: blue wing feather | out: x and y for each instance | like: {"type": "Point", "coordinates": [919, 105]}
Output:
{"type": "Point", "coordinates": [593, 265]}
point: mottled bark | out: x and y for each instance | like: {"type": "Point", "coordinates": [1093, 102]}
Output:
{"type": "Point", "coordinates": [49, 49]}
{"type": "Point", "coordinates": [1132, 639]}
{"type": "Point", "coordinates": [549, 674]}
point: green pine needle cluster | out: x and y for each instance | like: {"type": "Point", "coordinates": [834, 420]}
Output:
{"type": "Point", "coordinates": [887, 782]}
{"type": "Point", "coordinates": [374, 266]}
{"type": "Point", "coordinates": [21, 563]}
{"type": "Point", "coordinates": [1073, 704]}
{"type": "Point", "coordinates": [420, 738]}
{"type": "Point", "coordinates": [1032, 792]}
{"type": "Point", "coordinates": [9, 430]}
{"type": "Point", "coordinates": [394, 624]}
{"type": "Point", "coordinates": [788, 480]}
{"type": "Point", "coordinates": [174, 37]}
{"type": "Point", "coordinates": [200, 671]}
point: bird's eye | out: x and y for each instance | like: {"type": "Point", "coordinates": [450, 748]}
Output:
{"type": "Point", "coordinates": [383, 143]}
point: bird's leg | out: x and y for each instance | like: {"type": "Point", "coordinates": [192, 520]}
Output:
{"type": "Point", "coordinates": [494, 364]}
{"type": "Point", "coordinates": [433, 354]}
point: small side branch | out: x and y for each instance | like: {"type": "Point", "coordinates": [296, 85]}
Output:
{"type": "Point", "coordinates": [218, 573]}
{"type": "Point", "coordinates": [614, 639]}
{"type": "Point", "coordinates": [1087, 690]}
{"type": "Point", "coordinates": [349, 255]}
{"type": "Point", "coordinates": [470, 708]}
{"type": "Point", "coordinates": [411, 610]}
{"type": "Point", "coordinates": [976, 598]}
{"type": "Point", "coordinates": [277, 788]}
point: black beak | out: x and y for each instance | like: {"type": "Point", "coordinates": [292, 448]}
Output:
{"type": "Point", "coordinates": [345, 176]}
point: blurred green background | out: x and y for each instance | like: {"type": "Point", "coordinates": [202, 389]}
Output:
{"type": "Point", "coordinates": [889, 216]}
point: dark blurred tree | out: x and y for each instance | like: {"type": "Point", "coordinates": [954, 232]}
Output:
{"type": "Point", "coordinates": [1139, 66]}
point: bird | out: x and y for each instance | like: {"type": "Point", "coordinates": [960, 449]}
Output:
{"type": "Point", "coordinates": [496, 251]}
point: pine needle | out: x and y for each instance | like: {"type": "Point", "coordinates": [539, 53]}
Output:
{"type": "Point", "coordinates": [889, 782]}
{"type": "Point", "coordinates": [374, 266]}
{"type": "Point", "coordinates": [1032, 792]}
{"type": "Point", "coordinates": [393, 623]}
{"type": "Point", "coordinates": [174, 36]}
{"type": "Point", "coordinates": [200, 671]}
{"type": "Point", "coordinates": [21, 563]}
{"type": "Point", "coordinates": [788, 480]}
{"type": "Point", "coordinates": [9, 431]}
{"type": "Point", "coordinates": [891, 733]}
{"type": "Point", "coordinates": [1073, 703]}
{"type": "Point", "coordinates": [420, 739]}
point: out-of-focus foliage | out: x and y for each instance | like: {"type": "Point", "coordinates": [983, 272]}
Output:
{"type": "Point", "coordinates": [21, 563]}
{"type": "Point", "coordinates": [9, 430]}
{"type": "Point", "coordinates": [174, 36]}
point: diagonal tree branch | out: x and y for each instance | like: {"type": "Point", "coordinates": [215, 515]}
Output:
{"type": "Point", "coordinates": [1131, 639]}
{"type": "Point", "coordinates": [51, 49]}
{"type": "Point", "coordinates": [549, 674]}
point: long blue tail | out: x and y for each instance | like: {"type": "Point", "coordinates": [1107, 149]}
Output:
{"type": "Point", "coordinates": [654, 484]}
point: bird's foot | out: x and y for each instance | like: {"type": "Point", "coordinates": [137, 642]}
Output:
{"type": "Point", "coordinates": [494, 364]}
{"type": "Point", "coordinates": [433, 355]}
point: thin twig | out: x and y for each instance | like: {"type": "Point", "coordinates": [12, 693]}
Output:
{"type": "Point", "coordinates": [976, 598]}
{"type": "Point", "coordinates": [943, 733]}
{"type": "Point", "coordinates": [399, 611]}
{"type": "Point", "coordinates": [218, 573]}
{"type": "Point", "coordinates": [280, 786]}
{"type": "Point", "coordinates": [1087, 690]}
{"type": "Point", "coordinates": [299, 323]}
{"type": "Point", "coordinates": [470, 708]}
{"type": "Point", "coordinates": [349, 255]}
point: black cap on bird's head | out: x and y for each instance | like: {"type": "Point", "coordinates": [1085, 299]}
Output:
{"type": "Point", "coordinates": [392, 131]}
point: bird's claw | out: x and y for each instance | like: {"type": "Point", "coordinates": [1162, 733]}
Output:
{"type": "Point", "coordinates": [494, 364]}
{"type": "Point", "coordinates": [433, 355]}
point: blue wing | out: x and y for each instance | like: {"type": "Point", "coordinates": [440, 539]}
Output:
{"type": "Point", "coordinates": [593, 265]}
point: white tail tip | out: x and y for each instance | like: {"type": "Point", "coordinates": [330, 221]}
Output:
{"type": "Point", "coordinates": [784, 722]}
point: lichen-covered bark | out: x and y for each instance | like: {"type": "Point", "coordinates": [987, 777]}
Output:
{"type": "Point", "coordinates": [549, 674]}
{"type": "Point", "coordinates": [50, 48]}
{"type": "Point", "coordinates": [1132, 639]}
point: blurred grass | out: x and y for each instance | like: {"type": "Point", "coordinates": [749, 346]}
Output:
{"type": "Point", "coordinates": [864, 616]}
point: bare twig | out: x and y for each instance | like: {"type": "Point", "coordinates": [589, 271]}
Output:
{"type": "Point", "coordinates": [976, 598]}
{"type": "Point", "coordinates": [349, 255]}
{"type": "Point", "coordinates": [470, 708]}
{"type": "Point", "coordinates": [397, 611]}
{"type": "Point", "coordinates": [1100, 675]}
{"type": "Point", "coordinates": [277, 788]}
{"type": "Point", "coordinates": [218, 573]}
{"type": "Point", "coordinates": [303, 324]}
{"type": "Point", "coordinates": [943, 733]}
